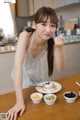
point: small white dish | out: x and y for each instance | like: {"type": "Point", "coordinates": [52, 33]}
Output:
{"type": "Point", "coordinates": [70, 97]}
{"type": "Point", "coordinates": [36, 97]}
{"type": "Point", "coordinates": [50, 99]}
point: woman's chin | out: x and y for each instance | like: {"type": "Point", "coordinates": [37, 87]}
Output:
{"type": "Point", "coordinates": [47, 38]}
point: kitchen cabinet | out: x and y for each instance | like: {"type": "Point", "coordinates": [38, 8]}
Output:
{"type": "Point", "coordinates": [40, 3]}
{"type": "Point", "coordinates": [29, 7]}
{"type": "Point", "coordinates": [48, 3]}
{"type": "Point", "coordinates": [62, 3]}
{"type": "Point", "coordinates": [58, 3]}
{"type": "Point", "coordinates": [37, 4]}
{"type": "Point", "coordinates": [21, 8]}
{"type": "Point", "coordinates": [34, 5]}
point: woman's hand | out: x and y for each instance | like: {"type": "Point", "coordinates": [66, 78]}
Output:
{"type": "Point", "coordinates": [59, 52]}
{"type": "Point", "coordinates": [13, 112]}
{"type": "Point", "coordinates": [59, 41]}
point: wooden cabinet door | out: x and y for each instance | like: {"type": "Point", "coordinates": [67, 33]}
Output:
{"type": "Point", "coordinates": [48, 3]}
{"type": "Point", "coordinates": [59, 3]}
{"type": "Point", "coordinates": [37, 4]}
{"type": "Point", "coordinates": [22, 8]}
{"type": "Point", "coordinates": [31, 7]}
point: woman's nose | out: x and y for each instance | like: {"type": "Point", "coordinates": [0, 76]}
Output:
{"type": "Point", "coordinates": [48, 28]}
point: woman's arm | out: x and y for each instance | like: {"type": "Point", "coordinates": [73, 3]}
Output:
{"type": "Point", "coordinates": [59, 54]}
{"type": "Point", "coordinates": [18, 62]}
{"type": "Point", "coordinates": [22, 45]}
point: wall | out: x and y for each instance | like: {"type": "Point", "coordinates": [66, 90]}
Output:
{"type": "Point", "coordinates": [6, 66]}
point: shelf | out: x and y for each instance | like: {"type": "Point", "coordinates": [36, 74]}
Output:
{"type": "Point", "coordinates": [4, 43]}
{"type": "Point", "coordinates": [10, 51]}
{"type": "Point", "coordinates": [71, 43]}
{"type": "Point", "coordinates": [7, 51]}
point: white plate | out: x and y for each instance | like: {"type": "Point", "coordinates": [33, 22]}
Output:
{"type": "Point", "coordinates": [55, 89]}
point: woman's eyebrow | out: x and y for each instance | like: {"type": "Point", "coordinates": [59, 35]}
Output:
{"type": "Point", "coordinates": [53, 24]}
{"type": "Point", "coordinates": [44, 21]}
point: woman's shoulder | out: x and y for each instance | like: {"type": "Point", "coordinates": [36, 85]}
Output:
{"type": "Point", "coordinates": [25, 34]}
{"type": "Point", "coordinates": [25, 38]}
{"type": "Point", "coordinates": [28, 31]}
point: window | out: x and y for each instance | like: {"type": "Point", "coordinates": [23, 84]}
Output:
{"type": "Point", "coordinates": [6, 19]}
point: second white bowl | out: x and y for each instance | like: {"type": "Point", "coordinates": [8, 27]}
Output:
{"type": "Point", "coordinates": [50, 99]}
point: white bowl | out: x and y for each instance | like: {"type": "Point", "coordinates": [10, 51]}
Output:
{"type": "Point", "coordinates": [68, 98]}
{"type": "Point", "coordinates": [36, 97]}
{"type": "Point", "coordinates": [50, 99]}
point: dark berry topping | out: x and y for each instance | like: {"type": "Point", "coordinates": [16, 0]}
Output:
{"type": "Point", "coordinates": [47, 83]}
{"type": "Point", "coordinates": [70, 95]}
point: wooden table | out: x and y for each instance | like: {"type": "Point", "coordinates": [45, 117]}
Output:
{"type": "Point", "coordinates": [59, 111]}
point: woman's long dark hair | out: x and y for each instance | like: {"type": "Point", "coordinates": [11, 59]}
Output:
{"type": "Point", "coordinates": [42, 15]}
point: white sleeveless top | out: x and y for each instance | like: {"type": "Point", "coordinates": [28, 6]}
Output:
{"type": "Point", "coordinates": [34, 68]}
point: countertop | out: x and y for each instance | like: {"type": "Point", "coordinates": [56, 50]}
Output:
{"type": "Point", "coordinates": [61, 110]}
{"type": "Point", "coordinates": [9, 49]}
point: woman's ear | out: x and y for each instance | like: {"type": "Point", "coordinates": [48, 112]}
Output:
{"type": "Point", "coordinates": [33, 25]}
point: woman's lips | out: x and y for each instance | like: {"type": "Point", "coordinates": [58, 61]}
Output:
{"type": "Point", "coordinates": [48, 35]}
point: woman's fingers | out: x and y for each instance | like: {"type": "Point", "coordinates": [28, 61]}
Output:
{"type": "Point", "coordinates": [12, 116]}
{"type": "Point", "coordinates": [12, 113]}
{"type": "Point", "coordinates": [59, 40]}
{"type": "Point", "coordinates": [61, 36]}
{"type": "Point", "coordinates": [22, 111]}
{"type": "Point", "coordinates": [15, 115]}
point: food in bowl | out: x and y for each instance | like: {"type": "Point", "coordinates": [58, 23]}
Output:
{"type": "Point", "coordinates": [70, 97]}
{"type": "Point", "coordinates": [48, 85]}
{"type": "Point", "coordinates": [36, 97]}
{"type": "Point", "coordinates": [50, 99]}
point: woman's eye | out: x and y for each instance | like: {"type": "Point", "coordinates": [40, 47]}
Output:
{"type": "Point", "coordinates": [43, 24]}
{"type": "Point", "coordinates": [53, 25]}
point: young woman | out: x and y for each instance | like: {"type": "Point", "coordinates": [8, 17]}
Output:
{"type": "Point", "coordinates": [32, 45]}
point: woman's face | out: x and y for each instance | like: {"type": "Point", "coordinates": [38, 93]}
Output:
{"type": "Point", "coordinates": [45, 30]}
